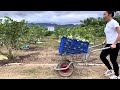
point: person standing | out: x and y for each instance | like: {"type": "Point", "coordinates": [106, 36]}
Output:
{"type": "Point", "coordinates": [112, 32]}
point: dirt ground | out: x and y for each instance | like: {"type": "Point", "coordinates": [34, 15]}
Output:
{"type": "Point", "coordinates": [47, 53]}
{"type": "Point", "coordinates": [38, 71]}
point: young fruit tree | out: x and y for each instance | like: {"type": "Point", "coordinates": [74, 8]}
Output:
{"type": "Point", "coordinates": [36, 33]}
{"type": "Point", "coordinates": [12, 34]}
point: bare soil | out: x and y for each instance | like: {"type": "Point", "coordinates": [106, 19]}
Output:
{"type": "Point", "coordinates": [47, 53]}
{"type": "Point", "coordinates": [38, 71]}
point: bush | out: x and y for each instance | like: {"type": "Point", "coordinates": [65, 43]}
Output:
{"type": "Point", "coordinates": [11, 34]}
{"type": "Point", "coordinates": [49, 33]}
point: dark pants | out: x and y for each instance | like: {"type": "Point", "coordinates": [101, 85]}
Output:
{"type": "Point", "coordinates": [113, 58]}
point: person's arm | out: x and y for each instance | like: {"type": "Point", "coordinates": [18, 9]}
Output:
{"type": "Point", "coordinates": [117, 39]}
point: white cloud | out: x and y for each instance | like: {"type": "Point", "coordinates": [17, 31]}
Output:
{"type": "Point", "coordinates": [59, 17]}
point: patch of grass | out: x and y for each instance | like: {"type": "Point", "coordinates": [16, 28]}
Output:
{"type": "Point", "coordinates": [49, 42]}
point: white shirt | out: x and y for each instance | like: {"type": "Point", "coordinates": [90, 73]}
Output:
{"type": "Point", "coordinates": [110, 31]}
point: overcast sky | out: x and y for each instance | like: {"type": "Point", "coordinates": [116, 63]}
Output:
{"type": "Point", "coordinates": [59, 17]}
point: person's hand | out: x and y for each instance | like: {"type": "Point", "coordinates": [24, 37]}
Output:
{"type": "Point", "coordinates": [113, 46]}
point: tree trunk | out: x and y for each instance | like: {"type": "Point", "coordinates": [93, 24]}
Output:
{"type": "Point", "coordinates": [10, 54]}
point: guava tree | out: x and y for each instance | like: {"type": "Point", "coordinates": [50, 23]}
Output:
{"type": "Point", "coordinates": [36, 33]}
{"type": "Point", "coordinates": [12, 34]}
{"type": "Point", "coordinates": [89, 30]}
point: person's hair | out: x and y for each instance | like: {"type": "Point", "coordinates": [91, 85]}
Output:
{"type": "Point", "coordinates": [111, 12]}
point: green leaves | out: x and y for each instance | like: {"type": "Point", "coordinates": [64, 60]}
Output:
{"type": "Point", "coordinates": [14, 34]}
{"type": "Point", "coordinates": [36, 32]}
{"type": "Point", "coordinates": [14, 31]}
{"type": "Point", "coordinates": [89, 30]}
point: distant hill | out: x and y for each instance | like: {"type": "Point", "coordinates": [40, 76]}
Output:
{"type": "Point", "coordinates": [68, 25]}
{"type": "Point", "coordinates": [50, 24]}
{"type": "Point", "coordinates": [43, 24]}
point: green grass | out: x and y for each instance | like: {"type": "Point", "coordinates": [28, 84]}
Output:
{"type": "Point", "coordinates": [49, 42]}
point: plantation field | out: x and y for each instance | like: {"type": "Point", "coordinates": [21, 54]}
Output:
{"type": "Point", "coordinates": [39, 61]}
{"type": "Point", "coordinates": [31, 51]}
